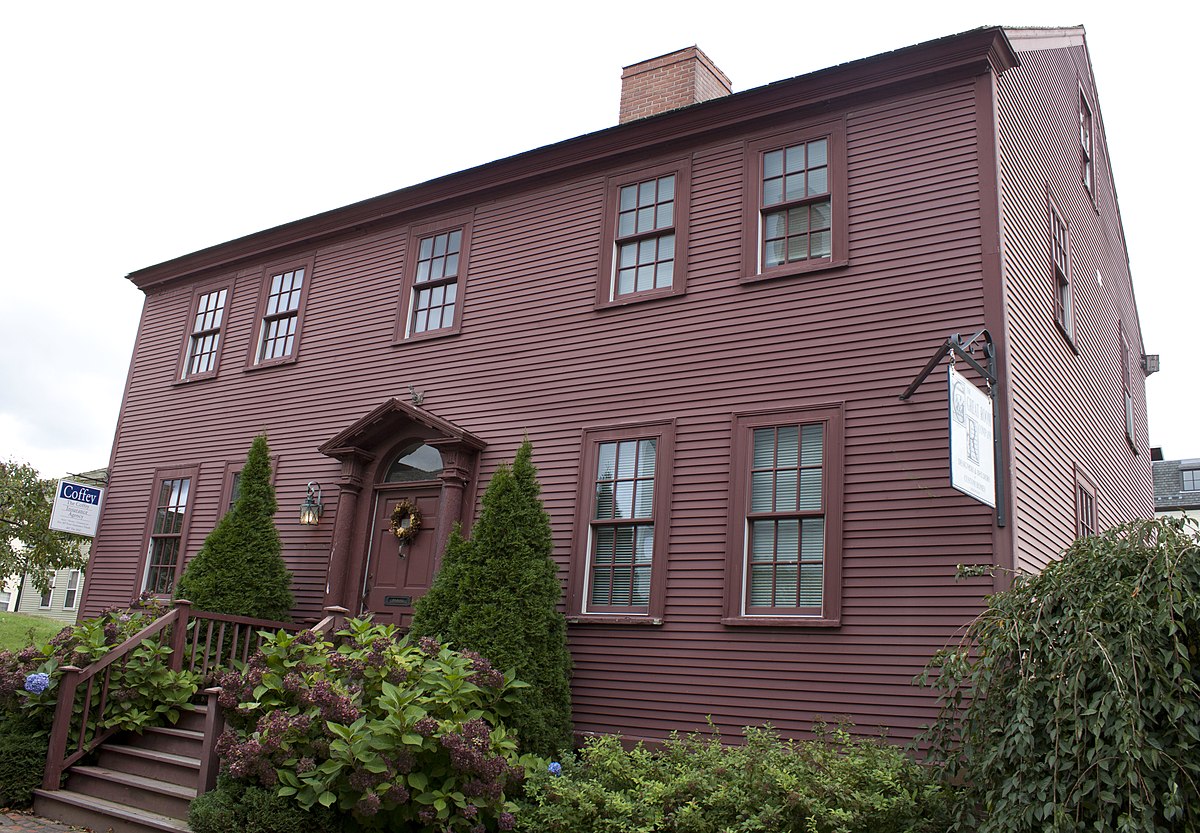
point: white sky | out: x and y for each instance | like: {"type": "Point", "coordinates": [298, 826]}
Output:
{"type": "Point", "coordinates": [135, 132]}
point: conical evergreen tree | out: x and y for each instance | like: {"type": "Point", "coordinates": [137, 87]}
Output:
{"type": "Point", "coordinates": [240, 570]}
{"type": "Point", "coordinates": [498, 594]}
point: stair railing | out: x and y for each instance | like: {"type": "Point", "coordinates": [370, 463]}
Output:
{"type": "Point", "coordinates": [214, 719]}
{"type": "Point", "coordinates": [213, 643]}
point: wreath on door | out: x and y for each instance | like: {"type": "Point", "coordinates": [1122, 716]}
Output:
{"type": "Point", "coordinates": [406, 521]}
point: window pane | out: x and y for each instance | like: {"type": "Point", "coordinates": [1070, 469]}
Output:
{"type": "Point", "coordinates": [793, 188]}
{"type": "Point", "coordinates": [624, 499]}
{"type": "Point", "coordinates": [787, 540]}
{"type": "Point", "coordinates": [645, 544]}
{"type": "Point", "coordinates": [762, 541]}
{"type": "Point", "coordinates": [626, 224]}
{"type": "Point", "coordinates": [764, 448]}
{"type": "Point", "coordinates": [773, 192]}
{"type": "Point", "coordinates": [665, 215]}
{"type": "Point", "coordinates": [645, 219]}
{"type": "Point", "coordinates": [646, 452]}
{"type": "Point", "coordinates": [812, 542]}
{"type": "Point", "coordinates": [810, 490]}
{"type": "Point", "coordinates": [818, 153]}
{"type": "Point", "coordinates": [822, 244]}
{"type": "Point", "coordinates": [786, 579]}
{"type": "Point", "coordinates": [762, 490]}
{"type": "Point", "coordinates": [813, 453]}
{"type": "Point", "coordinates": [772, 164]}
{"type": "Point", "coordinates": [644, 507]}
{"type": "Point", "coordinates": [628, 197]}
{"type": "Point", "coordinates": [795, 158]}
{"type": "Point", "coordinates": [626, 459]}
{"type": "Point", "coordinates": [785, 490]}
{"type": "Point", "coordinates": [623, 551]}
{"type": "Point", "coordinates": [812, 587]}
{"type": "Point", "coordinates": [762, 581]}
{"type": "Point", "coordinates": [818, 181]}
{"type": "Point", "coordinates": [664, 275]}
{"type": "Point", "coordinates": [788, 439]}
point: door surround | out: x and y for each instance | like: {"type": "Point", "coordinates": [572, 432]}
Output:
{"type": "Point", "coordinates": [364, 449]}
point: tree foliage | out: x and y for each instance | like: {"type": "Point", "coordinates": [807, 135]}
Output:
{"type": "Point", "coordinates": [498, 593]}
{"type": "Point", "coordinates": [27, 543]}
{"type": "Point", "coordinates": [240, 570]}
{"type": "Point", "coordinates": [1074, 701]}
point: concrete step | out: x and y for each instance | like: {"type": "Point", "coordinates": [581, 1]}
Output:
{"type": "Point", "coordinates": [150, 794]}
{"type": "Point", "coordinates": [164, 766]}
{"type": "Point", "coordinates": [102, 814]}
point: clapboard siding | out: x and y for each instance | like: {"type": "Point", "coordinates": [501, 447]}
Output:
{"type": "Point", "coordinates": [1053, 385]}
{"type": "Point", "coordinates": [536, 357]}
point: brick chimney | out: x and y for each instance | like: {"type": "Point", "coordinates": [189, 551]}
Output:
{"type": "Point", "coordinates": [677, 79]}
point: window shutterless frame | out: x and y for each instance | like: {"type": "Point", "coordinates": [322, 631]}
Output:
{"type": "Point", "coordinates": [165, 541]}
{"type": "Point", "coordinates": [795, 218]}
{"type": "Point", "coordinates": [622, 524]}
{"type": "Point", "coordinates": [1087, 145]}
{"type": "Point", "coordinates": [434, 282]}
{"type": "Point", "coordinates": [205, 331]}
{"type": "Point", "coordinates": [279, 317]}
{"type": "Point", "coordinates": [71, 598]}
{"type": "Point", "coordinates": [1059, 240]}
{"type": "Point", "coordinates": [1086, 512]}
{"type": "Point", "coordinates": [784, 557]}
{"type": "Point", "coordinates": [643, 253]}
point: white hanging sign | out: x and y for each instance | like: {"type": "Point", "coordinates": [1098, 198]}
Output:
{"type": "Point", "coordinates": [76, 508]}
{"type": "Point", "coordinates": [972, 452]}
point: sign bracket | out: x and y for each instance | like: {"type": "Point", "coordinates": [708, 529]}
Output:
{"type": "Point", "coordinates": [962, 349]}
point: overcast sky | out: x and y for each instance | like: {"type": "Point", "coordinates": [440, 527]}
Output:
{"type": "Point", "coordinates": [134, 132]}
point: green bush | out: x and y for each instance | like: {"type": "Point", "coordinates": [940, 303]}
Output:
{"type": "Point", "coordinates": [22, 761]}
{"type": "Point", "coordinates": [239, 570]}
{"type": "Point", "coordinates": [398, 735]}
{"type": "Point", "coordinates": [1073, 702]}
{"type": "Point", "coordinates": [498, 594]}
{"type": "Point", "coordinates": [237, 806]}
{"type": "Point", "coordinates": [833, 784]}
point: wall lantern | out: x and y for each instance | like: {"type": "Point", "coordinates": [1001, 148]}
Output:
{"type": "Point", "coordinates": [310, 510]}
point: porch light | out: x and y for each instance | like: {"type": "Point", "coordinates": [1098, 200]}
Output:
{"type": "Point", "coordinates": [310, 510]}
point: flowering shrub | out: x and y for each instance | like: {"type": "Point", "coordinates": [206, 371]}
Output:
{"type": "Point", "coordinates": [142, 690]}
{"type": "Point", "coordinates": [401, 735]}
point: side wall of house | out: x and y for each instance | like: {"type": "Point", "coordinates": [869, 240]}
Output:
{"type": "Point", "coordinates": [1066, 383]}
{"type": "Point", "coordinates": [537, 357]}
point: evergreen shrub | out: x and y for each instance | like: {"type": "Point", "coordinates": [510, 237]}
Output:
{"type": "Point", "coordinates": [835, 783]}
{"type": "Point", "coordinates": [498, 594]}
{"type": "Point", "coordinates": [393, 734]}
{"type": "Point", "coordinates": [239, 570]}
{"type": "Point", "coordinates": [22, 761]}
{"type": "Point", "coordinates": [1073, 702]}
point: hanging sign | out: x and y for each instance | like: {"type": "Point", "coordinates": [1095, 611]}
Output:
{"type": "Point", "coordinates": [972, 453]}
{"type": "Point", "coordinates": [76, 508]}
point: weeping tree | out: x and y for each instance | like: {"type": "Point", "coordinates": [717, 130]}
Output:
{"type": "Point", "coordinates": [497, 594]}
{"type": "Point", "coordinates": [240, 570]}
{"type": "Point", "coordinates": [1074, 701]}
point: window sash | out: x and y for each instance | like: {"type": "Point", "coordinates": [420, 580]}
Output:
{"type": "Point", "coordinates": [1086, 146]}
{"type": "Point", "coordinates": [622, 527]}
{"type": "Point", "coordinates": [1191, 480]}
{"type": "Point", "coordinates": [795, 204]}
{"type": "Point", "coordinates": [166, 535]}
{"type": "Point", "coordinates": [281, 315]}
{"type": "Point", "coordinates": [645, 238]}
{"type": "Point", "coordinates": [205, 339]}
{"type": "Point", "coordinates": [434, 295]}
{"type": "Point", "coordinates": [785, 533]}
{"type": "Point", "coordinates": [71, 596]}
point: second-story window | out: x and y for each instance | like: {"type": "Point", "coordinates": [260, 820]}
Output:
{"type": "Point", "coordinates": [435, 286]}
{"type": "Point", "coordinates": [1086, 147]}
{"type": "Point", "coordinates": [435, 274]}
{"type": "Point", "coordinates": [1060, 264]}
{"type": "Point", "coordinates": [795, 209]}
{"type": "Point", "coordinates": [1191, 480]}
{"type": "Point", "coordinates": [277, 337]}
{"type": "Point", "coordinates": [645, 236]}
{"type": "Point", "coordinates": [205, 340]}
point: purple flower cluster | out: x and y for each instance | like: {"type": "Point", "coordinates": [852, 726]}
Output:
{"type": "Point", "coordinates": [333, 705]}
{"type": "Point", "coordinates": [429, 646]}
{"type": "Point", "coordinates": [485, 674]}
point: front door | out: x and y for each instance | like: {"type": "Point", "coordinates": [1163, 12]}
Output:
{"type": "Point", "coordinates": [400, 573]}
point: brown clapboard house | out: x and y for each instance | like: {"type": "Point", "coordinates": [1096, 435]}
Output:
{"type": "Point", "coordinates": [703, 318]}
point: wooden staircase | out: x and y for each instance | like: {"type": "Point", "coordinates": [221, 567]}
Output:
{"type": "Point", "coordinates": [138, 783]}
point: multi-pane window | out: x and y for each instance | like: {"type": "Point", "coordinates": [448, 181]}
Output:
{"type": "Point", "coordinates": [72, 595]}
{"type": "Point", "coordinates": [785, 522]}
{"type": "Point", "coordinates": [797, 205]}
{"type": "Point", "coordinates": [206, 334]}
{"type": "Point", "coordinates": [1126, 384]}
{"type": "Point", "coordinates": [645, 237]}
{"type": "Point", "coordinates": [281, 315]}
{"type": "Point", "coordinates": [166, 534]}
{"type": "Point", "coordinates": [1191, 480]}
{"type": "Point", "coordinates": [622, 526]}
{"type": "Point", "coordinates": [1085, 509]}
{"type": "Point", "coordinates": [1060, 261]}
{"type": "Point", "coordinates": [235, 490]}
{"type": "Point", "coordinates": [1086, 147]}
{"type": "Point", "coordinates": [435, 285]}
{"type": "Point", "coordinates": [47, 594]}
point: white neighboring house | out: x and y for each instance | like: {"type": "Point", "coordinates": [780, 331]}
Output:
{"type": "Point", "coordinates": [61, 600]}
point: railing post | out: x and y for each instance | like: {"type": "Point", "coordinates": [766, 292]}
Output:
{"type": "Point", "coordinates": [337, 616]}
{"type": "Point", "coordinates": [214, 726]}
{"type": "Point", "coordinates": [179, 633]}
{"type": "Point", "coordinates": [60, 731]}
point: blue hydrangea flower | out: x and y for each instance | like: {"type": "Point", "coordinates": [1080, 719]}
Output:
{"type": "Point", "coordinates": [37, 683]}
{"type": "Point", "coordinates": [555, 768]}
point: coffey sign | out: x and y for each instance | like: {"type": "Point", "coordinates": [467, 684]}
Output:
{"type": "Point", "coordinates": [972, 454]}
{"type": "Point", "coordinates": [76, 508]}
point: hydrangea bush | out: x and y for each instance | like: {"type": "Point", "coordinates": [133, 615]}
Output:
{"type": "Point", "coordinates": [398, 734]}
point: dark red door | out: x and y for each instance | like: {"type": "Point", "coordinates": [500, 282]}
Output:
{"type": "Point", "coordinates": [399, 573]}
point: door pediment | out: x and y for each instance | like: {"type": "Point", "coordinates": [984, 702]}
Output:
{"type": "Point", "coordinates": [364, 438]}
